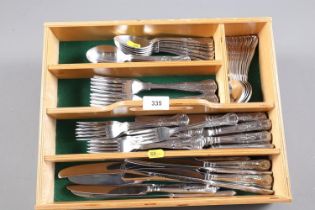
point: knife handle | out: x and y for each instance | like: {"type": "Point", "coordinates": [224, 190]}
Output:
{"type": "Point", "coordinates": [259, 125]}
{"type": "Point", "coordinates": [264, 181]}
{"type": "Point", "coordinates": [196, 195]}
{"type": "Point", "coordinates": [242, 187]}
{"type": "Point", "coordinates": [261, 165]}
{"type": "Point", "coordinates": [183, 188]}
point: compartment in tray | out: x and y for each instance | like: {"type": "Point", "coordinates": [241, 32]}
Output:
{"type": "Point", "coordinates": [61, 194]}
{"type": "Point", "coordinates": [67, 143]}
{"type": "Point", "coordinates": [76, 92]}
{"type": "Point", "coordinates": [261, 67]}
{"type": "Point", "coordinates": [72, 50]}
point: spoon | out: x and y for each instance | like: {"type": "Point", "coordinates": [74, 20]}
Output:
{"type": "Point", "coordinates": [196, 48]}
{"type": "Point", "coordinates": [107, 53]}
{"type": "Point", "coordinates": [237, 91]}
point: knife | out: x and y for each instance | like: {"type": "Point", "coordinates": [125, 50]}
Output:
{"type": "Point", "coordinates": [198, 166]}
{"type": "Point", "coordinates": [258, 164]}
{"type": "Point", "coordinates": [196, 176]}
{"type": "Point", "coordinates": [142, 189]}
{"type": "Point", "coordinates": [115, 179]}
{"type": "Point", "coordinates": [164, 195]}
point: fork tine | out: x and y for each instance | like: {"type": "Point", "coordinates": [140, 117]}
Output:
{"type": "Point", "coordinates": [106, 86]}
{"type": "Point", "coordinates": [109, 141]}
{"type": "Point", "coordinates": [102, 148]}
{"type": "Point", "coordinates": [105, 145]}
{"type": "Point", "coordinates": [103, 85]}
{"type": "Point", "coordinates": [82, 123]}
{"type": "Point", "coordinates": [102, 78]}
{"type": "Point", "coordinates": [100, 151]}
{"type": "Point", "coordinates": [107, 96]}
{"type": "Point", "coordinates": [91, 132]}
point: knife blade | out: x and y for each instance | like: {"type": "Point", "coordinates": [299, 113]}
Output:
{"type": "Point", "coordinates": [99, 168]}
{"type": "Point", "coordinates": [94, 168]}
{"type": "Point", "coordinates": [115, 179]}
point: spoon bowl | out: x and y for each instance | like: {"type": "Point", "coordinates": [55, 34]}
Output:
{"type": "Point", "coordinates": [237, 91]}
{"type": "Point", "coordinates": [104, 53]}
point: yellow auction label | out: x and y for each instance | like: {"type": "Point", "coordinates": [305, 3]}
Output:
{"type": "Point", "coordinates": [156, 153]}
{"type": "Point", "coordinates": [133, 44]}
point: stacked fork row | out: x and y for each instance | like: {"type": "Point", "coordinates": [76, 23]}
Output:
{"type": "Point", "coordinates": [231, 130]}
{"type": "Point", "coordinates": [108, 90]}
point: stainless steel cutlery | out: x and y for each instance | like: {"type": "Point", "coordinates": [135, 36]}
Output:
{"type": "Point", "coordinates": [195, 48]}
{"type": "Point", "coordinates": [107, 53]}
{"type": "Point", "coordinates": [191, 176]}
{"type": "Point", "coordinates": [240, 50]}
{"type": "Point", "coordinates": [231, 130]}
{"type": "Point", "coordinates": [108, 90]}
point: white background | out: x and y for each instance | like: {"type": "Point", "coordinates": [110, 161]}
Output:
{"type": "Point", "coordinates": [21, 37]}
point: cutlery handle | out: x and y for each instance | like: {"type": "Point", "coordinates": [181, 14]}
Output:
{"type": "Point", "coordinates": [200, 86]}
{"type": "Point", "coordinates": [227, 119]}
{"type": "Point", "coordinates": [185, 39]}
{"type": "Point", "coordinates": [185, 188]}
{"type": "Point", "coordinates": [228, 170]}
{"type": "Point", "coordinates": [260, 125]}
{"type": "Point", "coordinates": [242, 187]}
{"type": "Point", "coordinates": [244, 138]}
{"type": "Point", "coordinates": [177, 120]}
{"type": "Point", "coordinates": [261, 165]}
{"type": "Point", "coordinates": [160, 58]}
{"type": "Point", "coordinates": [245, 117]}
{"type": "Point", "coordinates": [260, 180]}
{"type": "Point", "coordinates": [196, 195]}
{"type": "Point", "coordinates": [233, 146]}
{"type": "Point", "coordinates": [176, 144]}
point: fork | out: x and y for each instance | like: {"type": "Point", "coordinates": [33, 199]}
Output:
{"type": "Point", "coordinates": [84, 132]}
{"type": "Point", "coordinates": [110, 90]}
{"type": "Point", "coordinates": [194, 143]}
{"type": "Point", "coordinates": [112, 129]}
{"type": "Point", "coordinates": [122, 143]}
{"type": "Point", "coordinates": [133, 86]}
{"type": "Point", "coordinates": [103, 98]}
{"type": "Point", "coordinates": [165, 133]}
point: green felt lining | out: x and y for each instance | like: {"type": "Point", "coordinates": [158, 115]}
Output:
{"type": "Point", "coordinates": [75, 92]}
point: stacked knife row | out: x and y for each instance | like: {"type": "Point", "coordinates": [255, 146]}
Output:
{"type": "Point", "coordinates": [177, 177]}
{"type": "Point", "coordinates": [179, 132]}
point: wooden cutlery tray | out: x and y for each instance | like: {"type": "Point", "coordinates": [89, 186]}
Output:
{"type": "Point", "coordinates": [65, 98]}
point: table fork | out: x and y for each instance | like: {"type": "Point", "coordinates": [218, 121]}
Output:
{"type": "Point", "coordinates": [194, 143]}
{"type": "Point", "coordinates": [133, 86]}
{"type": "Point", "coordinates": [87, 130]}
{"type": "Point", "coordinates": [103, 98]}
{"type": "Point", "coordinates": [112, 129]}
